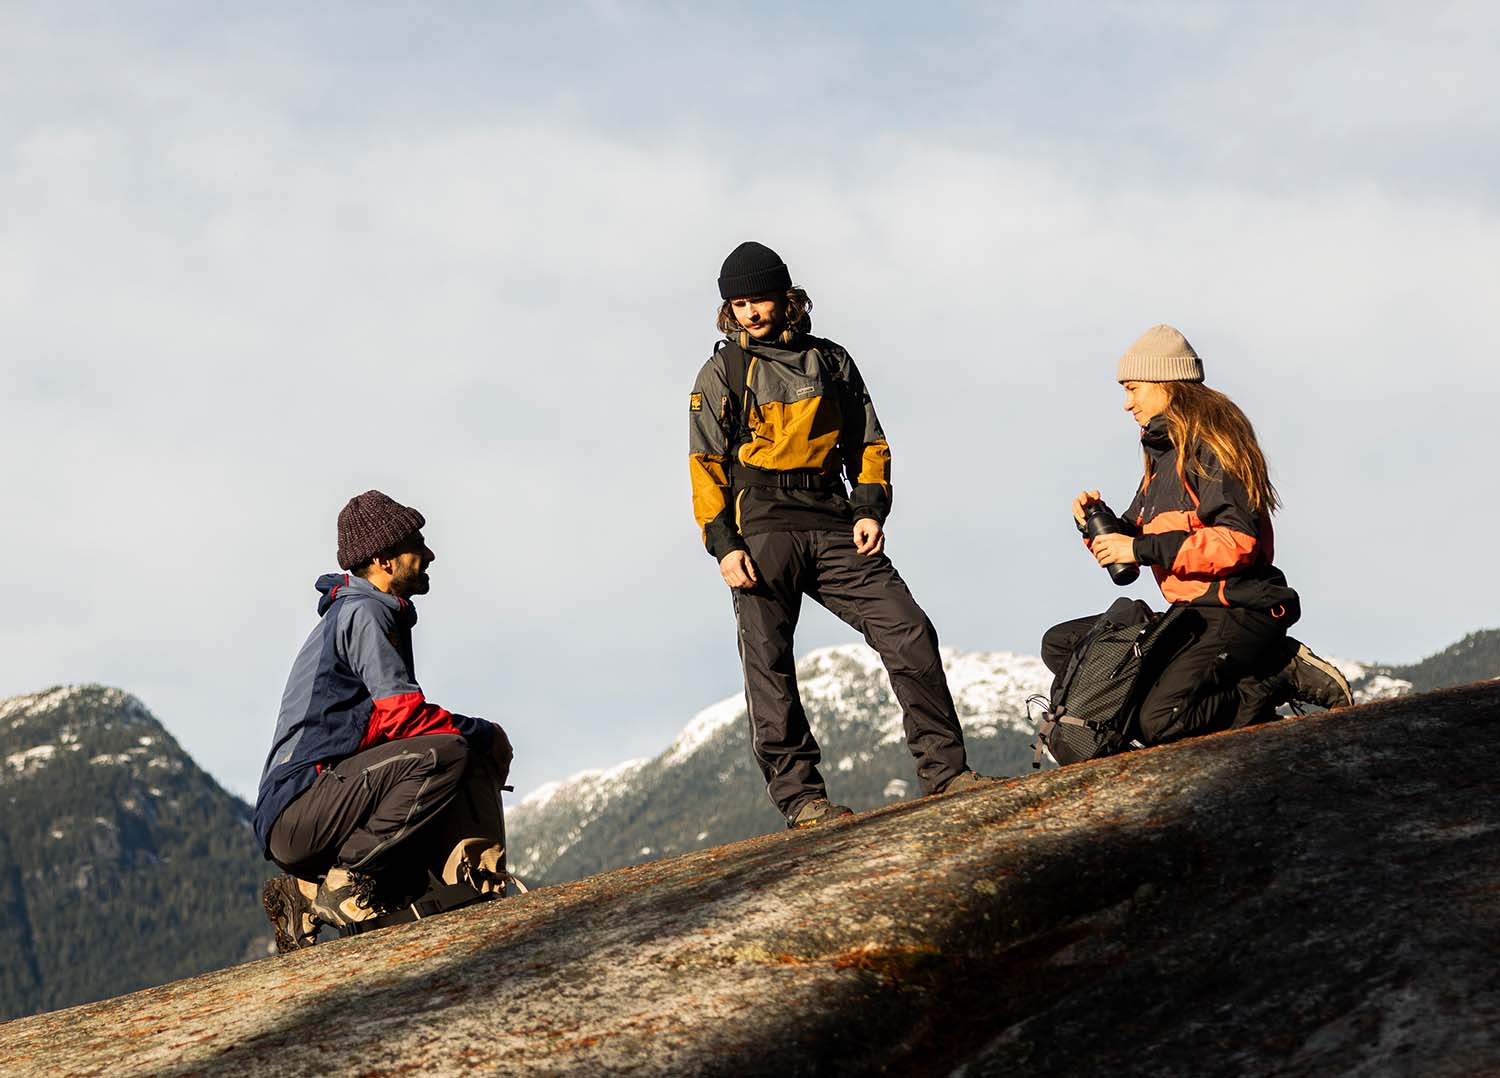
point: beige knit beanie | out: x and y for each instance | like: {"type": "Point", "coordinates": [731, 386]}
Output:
{"type": "Point", "coordinates": [1160, 355]}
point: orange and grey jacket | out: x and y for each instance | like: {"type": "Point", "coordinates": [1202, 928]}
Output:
{"type": "Point", "coordinates": [771, 454]}
{"type": "Point", "coordinates": [1203, 542]}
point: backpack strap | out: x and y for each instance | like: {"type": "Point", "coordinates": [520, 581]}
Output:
{"type": "Point", "coordinates": [737, 378]}
{"type": "Point", "coordinates": [735, 420]}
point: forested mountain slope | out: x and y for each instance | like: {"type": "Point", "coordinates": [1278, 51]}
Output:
{"type": "Point", "coordinates": [122, 863]}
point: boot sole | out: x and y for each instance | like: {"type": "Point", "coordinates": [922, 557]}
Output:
{"type": "Point", "coordinates": [273, 901]}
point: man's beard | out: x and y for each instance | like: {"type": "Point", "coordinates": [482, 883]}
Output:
{"type": "Point", "coordinates": [411, 584]}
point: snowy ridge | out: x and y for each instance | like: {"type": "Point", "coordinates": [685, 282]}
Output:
{"type": "Point", "coordinates": [1369, 682]}
{"type": "Point", "coordinates": [849, 701]}
{"type": "Point", "coordinates": [989, 689]}
{"type": "Point", "coordinates": [704, 725]}
{"type": "Point", "coordinates": [51, 713]}
{"type": "Point", "coordinates": [595, 780]}
{"type": "Point", "coordinates": [704, 789]}
{"type": "Point", "coordinates": [586, 796]}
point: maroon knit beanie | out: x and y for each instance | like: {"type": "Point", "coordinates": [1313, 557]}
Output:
{"type": "Point", "coordinates": [370, 523]}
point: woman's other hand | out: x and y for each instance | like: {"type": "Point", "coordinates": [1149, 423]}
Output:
{"type": "Point", "coordinates": [737, 569]}
{"type": "Point", "coordinates": [869, 536]}
{"type": "Point", "coordinates": [1082, 502]}
{"type": "Point", "coordinates": [1113, 549]}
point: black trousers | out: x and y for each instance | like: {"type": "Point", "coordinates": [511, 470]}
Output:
{"type": "Point", "coordinates": [866, 592]}
{"type": "Point", "coordinates": [364, 812]}
{"type": "Point", "coordinates": [1209, 676]}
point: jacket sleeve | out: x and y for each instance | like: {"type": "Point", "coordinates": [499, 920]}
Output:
{"type": "Point", "coordinates": [1222, 537]}
{"type": "Point", "coordinates": [400, 709]}
{"type": "Point", "coordinates": [1130, 519]}
{"type": "Point", "coordinates": [708, 461]}
{"type": "Point", "coordinates": [867, 455]}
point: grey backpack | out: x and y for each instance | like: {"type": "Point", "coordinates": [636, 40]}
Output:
{"type": "Point", "coordinates": [1095, 698]}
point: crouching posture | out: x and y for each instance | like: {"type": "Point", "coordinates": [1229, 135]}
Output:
{"type": "Point", "coordinates": [371, 793]}
{"type": "Point", "coordinates": [777, 418]}
{"type": "Point", "coordinates": [1201, 519]}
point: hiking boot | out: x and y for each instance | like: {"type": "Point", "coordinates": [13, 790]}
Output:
{"type": "Point", "coordinates": [394, 888]}
{"type": "Point", "coordinates": [1307, 678]}
{"type": "Point", "coordinates": [345, 898]}
{"type": "Point", "coordinates": [288, 903]}
{"type": "Point", "coordinates": [818, 810]}
{"type": "Point", "coordinates": [967, 780]}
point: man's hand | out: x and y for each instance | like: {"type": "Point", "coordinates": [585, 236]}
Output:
{"type": "Point", "coordinates": [1114, 549]}
{"type": "Point", "coordinates": [737, 569]}
{"type": "Point", "coordinates": [501, 752]}
{"type": "Point", "coordinates": [869, 537]}
{"type": "Point", "coordinates": [1082, 502]}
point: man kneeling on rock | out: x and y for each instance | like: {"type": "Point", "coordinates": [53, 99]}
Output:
{"type": "Point", "coordinates": [370, 792]}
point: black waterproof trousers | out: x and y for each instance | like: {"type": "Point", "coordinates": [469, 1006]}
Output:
{"type": "Point", "coordinates": [867, 593]}
{"type": "Point", "coordinates": [424, 802]}
{"type": "Point", "coordinates": [1210, 676]}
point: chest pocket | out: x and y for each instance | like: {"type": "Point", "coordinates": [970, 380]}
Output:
{"type": "Point", "coordinates": [799, 389]}
{"type": "Point", "coordinates": [794, 420]}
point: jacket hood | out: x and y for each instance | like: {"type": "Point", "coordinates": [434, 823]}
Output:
{"type": "Point", "coordinates": [332, 586]}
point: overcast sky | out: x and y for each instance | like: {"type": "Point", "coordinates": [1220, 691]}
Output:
{"type": "Point", "coordinates": [254, 262]}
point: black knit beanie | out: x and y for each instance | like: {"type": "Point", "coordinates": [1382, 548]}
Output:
{"type": "Point", "coordinates": [753, 269]}
{"type": "Point", "coordinates": [372, 522]}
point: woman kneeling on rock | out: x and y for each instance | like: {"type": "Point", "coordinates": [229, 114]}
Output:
{"type": "Point", "coordinates": [1201, 519]}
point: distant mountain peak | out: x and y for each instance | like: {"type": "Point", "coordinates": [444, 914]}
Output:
{"type": "Point", "coordinates": [705, 789]}
{"type": "Point", "coordinates": [106, 822]}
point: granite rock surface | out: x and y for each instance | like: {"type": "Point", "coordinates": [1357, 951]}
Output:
{"type": "Point", "coordinates": [1320, 896]}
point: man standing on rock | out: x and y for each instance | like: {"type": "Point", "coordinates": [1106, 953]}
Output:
{"type": "Point", "coordinates": [369, 788]}
{"type": "Point", "coordinates": [777, 419]}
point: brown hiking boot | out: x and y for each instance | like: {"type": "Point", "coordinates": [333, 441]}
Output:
{"type": "Point", "coordinates": [1310, 679]}
{"type": "Point", "coordinates": [288, 903]}
{"type": "Point", "coordinates": [296, 908]}
{"type": "Point", "coordinates": [818, 810]}
{"type": "Point", "coordinates": [345, 898]}
{"type": "Point", "coordinates": [967, 780]}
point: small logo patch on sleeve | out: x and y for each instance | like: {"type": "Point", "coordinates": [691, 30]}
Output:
{"type": "Point", "coordinates": [695, 402]}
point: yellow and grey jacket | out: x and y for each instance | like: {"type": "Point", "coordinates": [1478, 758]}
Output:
{"type": "Point", "coordinates": [772, 454]}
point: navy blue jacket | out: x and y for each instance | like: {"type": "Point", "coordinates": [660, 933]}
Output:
{"type": "Point", "coordinates": [351, 687]}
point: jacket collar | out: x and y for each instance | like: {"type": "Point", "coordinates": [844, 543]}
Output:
{"type": "Point", "coordinates": [334, 586]}
{"type": "Point", "coordinates": [1155, 435]}
{"type": "Point", "coordinates": [786, 343]}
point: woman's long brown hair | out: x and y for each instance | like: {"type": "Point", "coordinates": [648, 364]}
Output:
{"type": "Point", "coordinates": [1199, 416]}
{"type": "Point", "coordinates": [798, 311]}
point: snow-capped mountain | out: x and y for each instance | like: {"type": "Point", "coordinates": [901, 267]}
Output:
{"type": "Point", "coordinates": [122, 863]}
{"type": "Point", "coordinates": [704, 789]}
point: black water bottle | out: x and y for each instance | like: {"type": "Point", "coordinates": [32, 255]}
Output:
{"type": "Point", "coordinates": [1097, 521]}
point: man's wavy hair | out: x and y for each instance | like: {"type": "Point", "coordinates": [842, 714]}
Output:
{"type": "Point", "coordinates": [796, 313]}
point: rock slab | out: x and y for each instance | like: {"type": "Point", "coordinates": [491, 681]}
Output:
{"type": "Point", "coordinates": [1320, 896]}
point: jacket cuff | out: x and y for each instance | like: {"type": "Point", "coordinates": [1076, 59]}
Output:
{"type": "Point", "coordinates": [1159, 549]}
{"type": "Point", "coordinates": [476, 732]}
{"type": "Point", "coordinates": [868, 500]}
{"type": "Point", "coordinates": [722, 539]}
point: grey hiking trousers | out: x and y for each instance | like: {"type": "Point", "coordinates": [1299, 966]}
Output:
{"type": "Point", "coordinates": [420, 802]}
{"type": "Point", "coordinates": [866, 592]}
